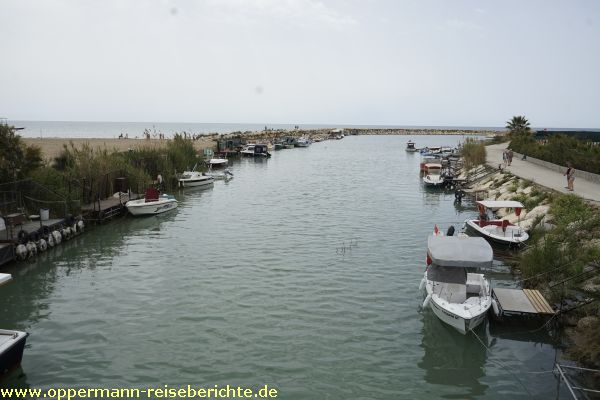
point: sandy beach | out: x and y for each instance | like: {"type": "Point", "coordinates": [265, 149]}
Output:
{"type": "Point", "coordinates": [51, 147]}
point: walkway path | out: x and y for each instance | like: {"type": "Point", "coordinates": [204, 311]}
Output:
{"type": "Point", "coordinates": [541, 175]}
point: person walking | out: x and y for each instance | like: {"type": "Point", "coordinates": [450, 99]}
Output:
{"type": "Point", "coordinates": [505, 158]}
{"type": "Point", "coordinates": [510, 157]}
{"type": "Point", "coordinates": [570, 174]}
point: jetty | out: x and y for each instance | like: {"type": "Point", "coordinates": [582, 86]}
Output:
{"type": "Point", "coordinates": [521, 302]}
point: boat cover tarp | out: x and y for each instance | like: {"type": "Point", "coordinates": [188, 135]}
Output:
{"type": "Point", "coordinates": [500, 204]}
{"type": "Point", "coordinates": [454, 251]}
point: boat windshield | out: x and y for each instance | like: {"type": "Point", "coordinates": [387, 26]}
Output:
{"type": "Point", "coordinates": [447, 274]}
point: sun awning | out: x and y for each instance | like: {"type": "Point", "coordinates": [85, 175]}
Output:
{"type": "Point", "coordinates": [454, 251]}
{"type": "Point", "coordinates": [500, 204]}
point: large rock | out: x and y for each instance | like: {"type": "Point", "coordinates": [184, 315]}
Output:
{"type": "Point", "coordinates": [538, 212]}
{"type": "Point", "coordinates": [513, 219]}
{"type": "Point", "coordinates": [527, 224]}
{"type": "Point", "coordinates": [527, 190]}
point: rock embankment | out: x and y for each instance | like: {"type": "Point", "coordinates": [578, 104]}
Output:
{"type": "Point", "coordinates": [505, 186]}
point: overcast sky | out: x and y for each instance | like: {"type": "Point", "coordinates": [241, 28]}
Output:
{"type": "Point", "coordinates": [421, 62]}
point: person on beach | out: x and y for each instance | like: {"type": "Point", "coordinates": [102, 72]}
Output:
{"type": "Point", "coordinates": [504, 158]}
{"type": "Point", "coordinates": [510, 156]}
{"type": "Point", "coordinates": [570, 174]}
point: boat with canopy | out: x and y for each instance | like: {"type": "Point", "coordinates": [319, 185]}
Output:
{"type": "Point", "coordinates": [458, 297]}
{"type": "Point", "coordinates": [498, 230]}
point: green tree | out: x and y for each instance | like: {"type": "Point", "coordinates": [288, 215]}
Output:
{"type": "Point", "coordinates": [518, 125]}
{"type": "Point", "coordinates": [17, 160]}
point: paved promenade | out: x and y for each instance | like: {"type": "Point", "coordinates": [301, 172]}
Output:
{"type": "Point", "coordinates": [543, 176]}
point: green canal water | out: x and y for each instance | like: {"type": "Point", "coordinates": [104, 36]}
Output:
{"type": "Point", "coordinates": [301, 273]}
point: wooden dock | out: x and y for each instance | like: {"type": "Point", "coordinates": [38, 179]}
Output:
{"type": "Point", "coordinates": [521, 302]}
{"type": "Point", "coordinates": [105, 209]}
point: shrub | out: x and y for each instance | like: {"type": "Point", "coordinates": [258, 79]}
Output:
{"type": "Point", "coordinates": [570, 208]}
{"type": "Point", "coordinates": [473, 153]}
{"type": "Point", "coordinates": [560, 149]}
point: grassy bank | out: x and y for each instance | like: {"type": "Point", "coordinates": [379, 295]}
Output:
{"type": "Point", "coordinates": [80, 174]}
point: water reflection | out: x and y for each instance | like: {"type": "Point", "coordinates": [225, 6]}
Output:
{"type": "Point", "coordinates": [453, 359]}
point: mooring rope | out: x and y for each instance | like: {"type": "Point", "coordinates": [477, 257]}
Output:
{"type": "Point", "coordinates": [504, 367]}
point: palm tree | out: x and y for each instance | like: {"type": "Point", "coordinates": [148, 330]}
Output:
{"type": "Point", "coordinates": [518, 125]}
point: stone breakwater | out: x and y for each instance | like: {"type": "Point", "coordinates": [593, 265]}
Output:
{"type": "Point", "coordinates": [330, 133]}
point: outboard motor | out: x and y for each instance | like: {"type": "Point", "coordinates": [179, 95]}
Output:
{"type": "Point", "coordinates": [450, 231]}
{"type": "Point", "coordinates": [458, 195]}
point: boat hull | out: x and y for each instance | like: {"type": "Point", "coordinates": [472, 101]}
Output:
{"type": "Point", "coordinates": [507, 238]}
{"type": "Point", "coordinates": [151, 208]}
{"type": "Point", "coordinates": [462, 323]}
{"type": "Point", "coordinates": [218, 163]}
{"type": "Point", "coordinates": [11, 350]}
{"type": "Point", "coordinates": [196, 182]}
{"type": "Point", "coordinates": [433, 181]}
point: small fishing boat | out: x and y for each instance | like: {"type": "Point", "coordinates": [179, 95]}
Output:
{"type": "Point", "coordinates": [456, 296]}
{"type": "Point", "coordinates": [256, 150]}
{"type": "Point", "coordinates": [429, 151]}
{"type": "Point", "coordinates": [303, 142]}
{"type": "Point", "coordinates": [498, 230]}
{"type": "Point", "coordinates": [218, 162]}
{"type": "Point", "coordinates": [433, 175]}
{"type": "Point", "coordinates": [12, 343]}
{"type": "Point", "coordinates": [428, 160]}
{"type": "Point", "coordinates": [153, 203]}
{"type": "Point", "coordinates": [194, 178]}
{"type": "Point", "coordinates": [410, 147]}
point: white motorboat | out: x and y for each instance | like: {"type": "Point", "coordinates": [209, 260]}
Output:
{"type": "Point", "coordinates": [12, 343]}
{"type": "Point", "coordinates": [152, 203]}
{"type": "Point", "coordinates": [456, 296]}
{"type": "Point", "coordinates": [195, 178]}
{"type": "Point", "coordinates": [433, 175]}
{"type": "Point", "coordinates": [498, 230]}
{"type": "Point", "coordinates": [410, 147]}
{"type": "Point", "coordinates": [218, 162]}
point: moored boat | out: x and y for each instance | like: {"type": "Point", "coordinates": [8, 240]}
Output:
{"type": "Point", "coordinates": [303, 142]}
{"type": "Point", "coordinates": [256, 150]}
{"type": "Point", "coordinates": [410, 147]}
{"type": "Point", "coordinates": [153, 203]}
{"type": "Point", "coordinates": [456, 296]}
{"type": "Point", "coordinates": [12, 343]}
{"type": "Point", "coordinates": [194, 178]}
{"type": "Point", "coordinates": [218, 162]}
{"type": "Point", "coordinates": [433, 174]}
{"type": "Point", "coordinates": [498, 230]}
{"type": "Point", "coordinates": [428, 160]}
